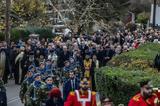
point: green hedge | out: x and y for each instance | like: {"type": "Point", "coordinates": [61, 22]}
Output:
{"type": "Point", "coordinates": [143, 17]}
{"type": "Point", "coordinates": [120, 85]}
{"type": "Point", "coordinates": [43, 32]}
{"type": "Point", "coordinates": [2, 36]}
{"type": "Point", "coordinates": [23, 33]}
{"type": "Point", "coordinates": [141, 58]}
{"type": "Point", "coordinates": [19, 33]}
{"type": "Point", "coordinates": [119, 79]}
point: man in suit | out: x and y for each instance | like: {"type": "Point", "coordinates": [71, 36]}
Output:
{"type": "Point", "coordinates": [70, 85]}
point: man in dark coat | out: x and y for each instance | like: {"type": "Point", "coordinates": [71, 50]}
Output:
{"type": "Point", "coordinates": [109, 53]}
{"type": "Point", "coordinates": [4, 64]}
{"type": "Point", "coordinates": [70, 85]}
{"type": "Point", "coordinates": [100, 54]}
{"type": "Point", "coordinates": [20, 64]}
{"type": "Point", "coordinates": [13, 54]}
{"type": "Point", "coordinates": [63, 56]}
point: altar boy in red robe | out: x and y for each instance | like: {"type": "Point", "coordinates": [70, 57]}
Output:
{"type": "Point", "coordinates": [147, 96]}
{"type": "Point", "coordinates": [82, 97]}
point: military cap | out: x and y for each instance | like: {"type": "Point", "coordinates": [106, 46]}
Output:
{"type": "Point", "coordinates": [36, 75]}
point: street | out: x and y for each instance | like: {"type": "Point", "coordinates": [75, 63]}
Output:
{"type": "Point", "coordinates": [13, 94]}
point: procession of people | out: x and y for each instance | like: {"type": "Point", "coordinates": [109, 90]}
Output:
{"type": "Point", "coordinates": [60, 71]}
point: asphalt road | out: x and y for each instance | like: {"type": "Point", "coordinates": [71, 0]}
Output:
{"type": "Point", "coordinates": [13, 94]}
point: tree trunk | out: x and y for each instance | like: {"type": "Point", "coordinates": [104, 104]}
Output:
{"type": "Point", "coordinates": [7, 21]}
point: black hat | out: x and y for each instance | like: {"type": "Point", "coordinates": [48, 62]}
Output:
{"type": "Point", "coordinates": [31, 67]}
{"type": "Point", "coordinates": [144, 82]}
{"type": "Point", "coordinates": [18, 46]}
{"type": "Point", "coordinates": [48, 77]}
{"type": "Point", "coordinates": [66, 61]}
{"type": "Point", "coordinates": [31, 53]}
{"type": "Point", "coordinates": [48, 60]}
{"type": "Point", "coordinates": [36, 75]}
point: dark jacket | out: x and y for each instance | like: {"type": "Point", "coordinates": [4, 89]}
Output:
{"type": "Point", "coordinates": [68, 87]}
{"type": "Point", "coordinates": [7, 64]}
{"type": "Point", "coordinates": [62, 57]}
{"type": "Point", "coordinates": [58, 102]}
{"type": "Point", "coordinates": [3, 97]}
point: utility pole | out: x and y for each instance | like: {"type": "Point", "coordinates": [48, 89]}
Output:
{"type": "Point", "coordinates": [7, 21]}
{"type": "Point", "coordinates": [154, 12]}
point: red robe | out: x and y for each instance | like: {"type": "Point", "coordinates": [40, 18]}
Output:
{"type": "Point", "coordinates": [77, 99]}
{"type": "Point", "coordinates": [138, 100]}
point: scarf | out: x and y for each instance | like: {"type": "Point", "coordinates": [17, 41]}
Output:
{"type": "Point", "coordinates": [42, 71]}
{"type": "Point", "coordinates": [49, 86]}
{"type": "Point", "coordinates": [30, 79]}
{"type": "Point", "coordinates": [37, 84]}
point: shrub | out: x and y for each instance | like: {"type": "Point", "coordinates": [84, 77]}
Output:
{"type": "Point", "coordinates": [120, 85]}
{"type": "Point", "coordinates": [2, 36]}
{"type": "Point", "coordinates": [143, 18]}
{"type": "Point", "coordinates": [17, 33]}
{"type": "Point", "coordinates": [141, 58]}
{"type": "Point", "coordinates": [24, 33]}
{"type": "Point", "coordinates": [119, 79]}
{"type": "Point", "coordinates": [43, 32]}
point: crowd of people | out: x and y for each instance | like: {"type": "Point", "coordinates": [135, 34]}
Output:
{"type": "Point", "coordinates": [55, 68]}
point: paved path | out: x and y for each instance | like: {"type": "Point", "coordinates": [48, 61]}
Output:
{"type": "Point", "coordinates": [13, 94]}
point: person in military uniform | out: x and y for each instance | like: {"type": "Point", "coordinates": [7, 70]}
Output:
{"type": "Point", "coordinates": [32, 68]}
{"type": "Point", "coordinates": [47, 88]}
{"type": "Point", "coordinates": [49, 67]}
{"type": "Point", "coordinates": [42, 70]}
{"type": "Point", "coordinates": [146, 97]}
{"type": "Point", "coordinates": [25, 85]}
{"type": "Point", "coordinates": [3, 97]}
{"type": "Point", "coordinates": [34, 92]}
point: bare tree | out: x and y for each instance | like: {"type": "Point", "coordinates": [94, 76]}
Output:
{"type": "Point", "coordinates": [82, 13]}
